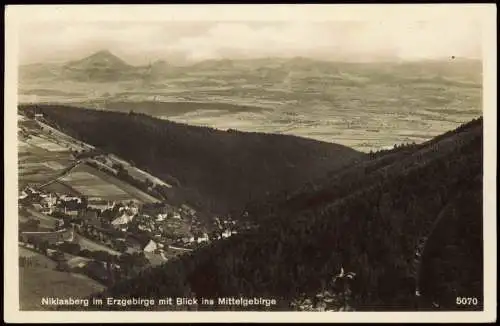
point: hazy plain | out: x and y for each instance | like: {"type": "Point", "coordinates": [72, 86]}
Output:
{"type": "Point", "coordinates": [362, 105]}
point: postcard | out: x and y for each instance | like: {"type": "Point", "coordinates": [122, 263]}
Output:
{"type": "Point", "coordinates": [250, 163]}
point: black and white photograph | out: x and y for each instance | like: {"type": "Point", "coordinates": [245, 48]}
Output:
{"type": "Point", "coordinates": [255, 160]}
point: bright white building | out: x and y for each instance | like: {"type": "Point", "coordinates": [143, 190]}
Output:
{"type": "Point", "coordinates": [151, 246]}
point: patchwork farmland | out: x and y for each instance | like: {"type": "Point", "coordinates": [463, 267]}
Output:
{"type": "Point", "coordinates": [43, 155]}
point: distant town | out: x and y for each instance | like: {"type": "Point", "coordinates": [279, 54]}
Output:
{"type": "Point", "coordinates": [92, 213]}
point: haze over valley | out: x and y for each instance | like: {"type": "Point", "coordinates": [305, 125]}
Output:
{"type": "Point", "coordinates": [366, 106]}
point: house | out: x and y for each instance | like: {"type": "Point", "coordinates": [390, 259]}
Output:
{"type": "Point", "coordinates": [161, 217]}
{"type": "Point", "coordinates": [203, 238]}
{"type": "Point", "coordinates": [49, 200]}
{"type": "Point", "coordinates": [100, 204]}
{"type": "Point", "coordinates": [134, 209]}
{"type": "Point", "coordinates": [176, 216]}
{"type": "Point", "coordinates": [67, 198]}
{"type": "Point", "coordinates": [69, 207]}
{"type": "Point", "coordinates": [189, 210]}
{"type": "Point", "coordinates": [188, 239]}
{"type": "Point", "coordinates": [131, 207]}
{"type": "Point", "coordinates": [122, 220]}
{"type": "Point", "coordinates": [31, 190]}
{"type": "Point", "coordinates": [23, 195]}
{"type": "Point", "coordinates": [90, 217]}
{"type": "Point", "coordinates": [151, 246]}
{"type": "Point", "coordinates": [226, 234]}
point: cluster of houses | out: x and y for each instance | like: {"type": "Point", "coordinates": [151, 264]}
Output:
{"type": "Point", "coordinates": [45, 203]}
{"type": "Point", "coordinates": [163, 224]}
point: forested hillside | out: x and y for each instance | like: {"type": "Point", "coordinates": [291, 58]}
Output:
{"type": "Point", "coordinates": [219, 171]}
{"type": "Point", "coordinates": [407, 220]}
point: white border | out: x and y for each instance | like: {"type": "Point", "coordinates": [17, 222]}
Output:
{"type": "Point", "coordinates": [26, 13]}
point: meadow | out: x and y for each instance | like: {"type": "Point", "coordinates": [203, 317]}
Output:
{"type": "Point", "coordinates": [36, 283]}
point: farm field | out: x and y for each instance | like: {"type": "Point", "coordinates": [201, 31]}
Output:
{"type": "Point", "coordinates": [47, 144]}
{"type": "Point", "coordinates": [60, 187]}
{"type": "Point", "coordinates": [90, 185]}
{"type": "Point", "coordinates": [92, 182]}
{"type": "Point", "coordinates": [36, 283]}
{"type": "Point", "coordinates": [40, 159]}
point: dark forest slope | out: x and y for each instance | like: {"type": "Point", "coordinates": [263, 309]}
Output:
{"type": "Point", "coordinates": [429, 195]}
{"type": "Point", "coordinates": [218, 170]}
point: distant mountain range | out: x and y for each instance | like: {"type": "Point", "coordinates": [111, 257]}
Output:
{"type": "Point", "coordinates": [104, 66]}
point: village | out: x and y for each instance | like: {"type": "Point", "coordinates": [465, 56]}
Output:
{"type": "Point", "coordinates": [66, 227]}
{"type": "Point", "coordinates": [79, 217]}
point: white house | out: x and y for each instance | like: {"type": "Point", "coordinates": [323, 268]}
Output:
{"type": "Point", "coordinates": [64, 197]}
{"type": "Point", "coordinates": [188, 239]}
{"type": "Point", "coordinates": [23, 195]}
{"type": "Point", "coordinates": [204, 238]}
{"type": "Point", "coordinates": [49, 200]}
{"type": "Point", "coordinates": [161, 217]}
{"type": "Point", "coordinates": [33, 190]}
{"type": "Point", "coordinates": [122, 220]}
{"type": "Point", "coordinates": [151, 246]}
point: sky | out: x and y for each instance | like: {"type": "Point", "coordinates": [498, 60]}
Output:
{"type": "Point", "coordinates": [192, 41]}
